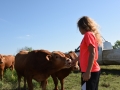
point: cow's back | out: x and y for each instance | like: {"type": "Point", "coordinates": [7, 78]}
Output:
{"type": "Point", "coordinates": [37, 60]}
{"type": "Point", "coordinates": [9, 60]}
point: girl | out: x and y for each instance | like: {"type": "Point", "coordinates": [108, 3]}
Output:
{"type": "Point", "coordinates": [90, 69]}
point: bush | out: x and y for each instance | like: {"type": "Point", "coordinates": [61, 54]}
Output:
{"type": "Point", "coordinates": [10, 76]}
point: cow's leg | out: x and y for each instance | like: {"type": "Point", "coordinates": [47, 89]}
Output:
{"type": "Point", "coordinates": [12, 67]}
{"type": "Point", "coordinates": [29, 82]}
{"type": "Point", "coordinates": [24, 83]}
{"type": "Point", "coordinates": [44, 84]}
{"type": "Point", "coordinates": [1, 75]}
{"type": "Point", "coordinates": [62, 84]}
{"type": "Point", "coordinates": [19, 80]}
{"type": "Point", "coordinates": [55, 80]}
{"type": "Point", "coordinates": [40, 84]}
{"type": "Point", "coordinates": [5, 70]}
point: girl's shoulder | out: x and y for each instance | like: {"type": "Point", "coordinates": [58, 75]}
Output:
{"type": "Point", "coordinates": [89, 34]}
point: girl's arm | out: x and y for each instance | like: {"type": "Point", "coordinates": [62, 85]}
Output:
{"type": "Point", "coordinates": [91, 58]}
{"type": "Point", "coordinates": [86, 76]}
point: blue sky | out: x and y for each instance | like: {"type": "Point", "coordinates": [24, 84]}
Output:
{"type": "Point", "coordinates": [51, 24]}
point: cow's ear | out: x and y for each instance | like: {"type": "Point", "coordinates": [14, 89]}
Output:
{"type": "Point", "coordinates": [48, 57]}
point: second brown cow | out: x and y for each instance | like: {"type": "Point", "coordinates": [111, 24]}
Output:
{"type": "Point", "coordinates": [61, 74]}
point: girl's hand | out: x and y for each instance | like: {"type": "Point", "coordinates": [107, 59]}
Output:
{"type": "Point", "coordinates": [86, 76]}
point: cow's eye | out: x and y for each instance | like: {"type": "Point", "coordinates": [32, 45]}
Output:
{"type": "Point", "coordinates": [56, 56]}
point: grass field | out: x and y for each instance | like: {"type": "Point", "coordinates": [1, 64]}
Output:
{"type": "Point", "coordinates": [109, 80]}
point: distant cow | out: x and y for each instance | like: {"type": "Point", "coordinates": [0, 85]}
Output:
{"type": "Point", "coordinates": [39, 65]}
{"type": "Point", "coordinates": [6, 61]}
{"type": "Point", "coordinates": [61, 74]}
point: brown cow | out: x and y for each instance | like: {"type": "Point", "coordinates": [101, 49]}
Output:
{"type": "Point", "coordinates": [20, 65]}
{"type": "Point", "coordinates": [6, 61]}
{"type": "Point", "coordinates": [61, 74]}
{"type": "Point", "coordinates": [39, 65]}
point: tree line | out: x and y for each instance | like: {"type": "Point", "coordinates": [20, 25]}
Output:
{"type": "Point", "coordinates": [115, 46]}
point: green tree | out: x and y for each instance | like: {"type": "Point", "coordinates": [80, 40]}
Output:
{"type": "Point", "coordinates": [26, 48]}
{"type": "Point", "coordinates": [116, 45]}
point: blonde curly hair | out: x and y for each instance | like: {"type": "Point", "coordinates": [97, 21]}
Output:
{"type": "Point", "coordinates": [88, 24]}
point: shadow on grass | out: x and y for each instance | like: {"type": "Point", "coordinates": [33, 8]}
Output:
{"type": "Point", "coordinates": [110, 71]}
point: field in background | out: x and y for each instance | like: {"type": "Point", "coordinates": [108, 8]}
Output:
{"type": "Point", "coordinates": [109, 80]}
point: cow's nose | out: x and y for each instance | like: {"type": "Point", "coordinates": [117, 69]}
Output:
{"type": "Point", "coordinates": [1, 62]}
{"type": "Point", "coordinates": [76, 68]}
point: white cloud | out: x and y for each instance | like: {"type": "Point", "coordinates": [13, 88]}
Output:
{"type": "Point", "coordinates": [28, 35]}
{"type": "Point", "coordinates": [24, 37]}
{"type": "Point", "coordinates": [3, 20]}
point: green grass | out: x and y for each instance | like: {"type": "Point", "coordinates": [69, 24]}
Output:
{"type": "Point", "coordinates": [109, 80]}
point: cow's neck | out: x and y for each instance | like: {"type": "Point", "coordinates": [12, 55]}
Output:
{"type": "Point", "coordinates": [52, 69]}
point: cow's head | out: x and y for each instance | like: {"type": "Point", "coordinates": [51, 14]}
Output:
{"type": "Point", "coordinates": [72, 55]}
{"type": "Point", "coordinates": [59, 59]}
{"type": "Point", "coordinates": [1, 59]}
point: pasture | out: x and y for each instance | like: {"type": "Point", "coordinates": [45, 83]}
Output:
{"type": "Point", "coordinates": [109, 80]}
